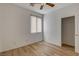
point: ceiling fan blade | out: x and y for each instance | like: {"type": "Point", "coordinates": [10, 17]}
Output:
{"type": "Point", "coordinates": [41, 7]}
{"type": "Point", "coordinates": [50, 4]}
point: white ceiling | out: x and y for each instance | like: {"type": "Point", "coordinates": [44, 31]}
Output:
{"type": "Point", "coordinates": [46, 9]}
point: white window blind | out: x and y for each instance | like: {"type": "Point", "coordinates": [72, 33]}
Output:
{"type": "Point", "coordinates": [36, 24]}
{"type": "Point", "coordinates": [39, 25]}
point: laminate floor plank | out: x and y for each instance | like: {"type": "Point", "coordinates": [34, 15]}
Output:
{"type": "Point", "coordinates": [41, 49]}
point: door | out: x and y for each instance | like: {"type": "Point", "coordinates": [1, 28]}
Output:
{"type": "Point", "coordinates": [68, 31]}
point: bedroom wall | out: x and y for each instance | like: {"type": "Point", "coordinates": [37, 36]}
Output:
{"type": "Point", "coordinates": [15, 27]}
{"type": "Point", "coordinates": [52, 25]}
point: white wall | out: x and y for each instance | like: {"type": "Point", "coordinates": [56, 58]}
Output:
{"type": "Point", "coordinates": [52, 24]}
{"type": "Point", "coordinates": [50, 29]}
{"type": "Point", "coordinates": [15, 27]}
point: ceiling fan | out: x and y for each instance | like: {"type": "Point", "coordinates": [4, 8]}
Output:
{"type": "Point", "coordinates": [43, 4]}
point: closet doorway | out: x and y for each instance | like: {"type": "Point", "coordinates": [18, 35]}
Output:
{"type": "Point", "coordinates": [68, 32]}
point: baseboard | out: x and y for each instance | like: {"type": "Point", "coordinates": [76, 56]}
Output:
{"type": "Point", "coordinates": [53, 43]}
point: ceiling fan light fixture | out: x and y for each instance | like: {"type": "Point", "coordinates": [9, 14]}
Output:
{"type": "Point", "coordinates": [43, 4]}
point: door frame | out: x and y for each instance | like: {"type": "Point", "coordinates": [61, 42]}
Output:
{"type": "Point", "coordinates": [61, 28]}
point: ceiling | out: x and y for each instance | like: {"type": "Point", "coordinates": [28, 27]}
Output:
{"type": "Point", "coordinates": [46, 9]}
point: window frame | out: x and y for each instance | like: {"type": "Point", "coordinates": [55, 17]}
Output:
{"type": "Point", "coordinates": [36, 23]}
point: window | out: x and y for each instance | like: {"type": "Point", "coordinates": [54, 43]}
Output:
{"type": "Point", "coordinates": [39, 24]}
{"type": "Point", "coordinates": [36, 24]}
{"type": "Point", "coordinates": [33, 24]}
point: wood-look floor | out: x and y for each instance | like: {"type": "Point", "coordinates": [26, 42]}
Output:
{"type": "Point", "coordinates": [41, 49]}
